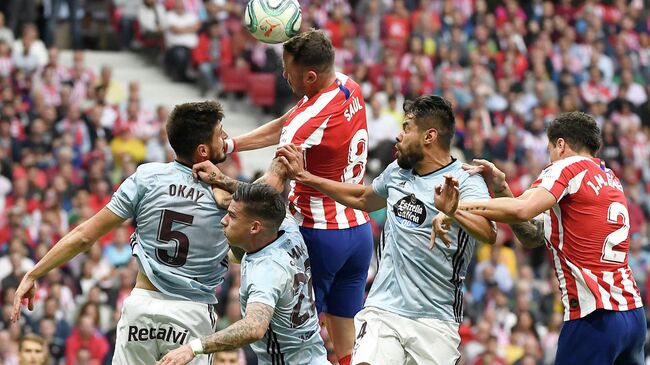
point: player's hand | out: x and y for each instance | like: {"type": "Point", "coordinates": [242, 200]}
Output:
{"type": "Point", "coordinates": [207, 172]}
{"type": "Point", "coordinates": [494, 178]}
{"type": "Point", "coordinates": [179, 356]}
{"type": "Point", "coordinates": [447, 196]}
{"type": "Point", "coordinates": [441, 225]}
{"type": "Point", "coordinates": [26, 290]}
{"type": "Point", "coordinates": [292, 158]}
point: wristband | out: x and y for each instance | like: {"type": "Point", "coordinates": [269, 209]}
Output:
{"type": "Point", "coordinates": [229, 145]}
{"type": "Point", "coordinates": [197, 346]}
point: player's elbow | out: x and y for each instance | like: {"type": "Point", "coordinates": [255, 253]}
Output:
{"type": "Point", "coordinates": [524, 213]}
{"type": "Point", "coordinates": [492, 235]}
{"type": "Point", "coordinates": [258, 333]}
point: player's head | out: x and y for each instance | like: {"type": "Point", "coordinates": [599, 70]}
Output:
{"type": "Point", "coordinates": [31, 350]}
{"type": "Point", "coordinates": [428, 123]}
{"type": "Point", "coordinates": [226, 358]}
{"type": "Point", "coordinates": [573, 133]}
{"type": "Point", "coordinates": [256, 210]}
{"type": "Point", "coordinates": [196, 133]}
{"type": "Point", "coordinates": [308, 58]}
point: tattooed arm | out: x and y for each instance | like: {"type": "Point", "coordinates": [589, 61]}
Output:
{"type": "Point", "coordinates": [249, 329]}
{"type": "Point", "coordinates": [531, 233]}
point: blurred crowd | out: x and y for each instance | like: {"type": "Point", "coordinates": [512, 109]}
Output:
{"type": "Point", "coordinates": [69, 136]}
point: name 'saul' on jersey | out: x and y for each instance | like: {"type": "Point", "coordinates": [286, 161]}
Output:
{"type": "Point", "coordinates": [353, 108]}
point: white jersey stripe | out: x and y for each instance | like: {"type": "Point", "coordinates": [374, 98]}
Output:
{"type": "Point", "coordinates": [585, 296]}
{"type": "Point", "coordinates": [560, 228]}
{"type": "Point", "coordinates": [311, 111]}
{"type": "Point", "coordinates": [359, 216]}
{"type": "Point", "coordinates": [604, 294]}
{"type": "Point", "coordinates": [628, 286]}
{"type": "Point", "coordinates": [617, 293]}
{"type": "Point", "coordinates": [318, 212]}
{"type": "Point", "coordinates": [553, 172]}
{"type": "Point", "coordinates": [562, 280]}
{"type": "Point", "coordinates": [317, 136]}
{"type": "Point", "coordinates": [341, 218]}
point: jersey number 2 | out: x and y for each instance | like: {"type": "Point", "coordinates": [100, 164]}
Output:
{"type": "Point", "coordinates": [615, 210]}
{"type": "Point", "coordinates": [167, 235]}
{"type": "Point", "coordinates": [300, 279]}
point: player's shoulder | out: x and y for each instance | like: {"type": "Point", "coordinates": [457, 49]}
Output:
{"type": "Point", "coordinates": [153, 168]}
{"type": "Point", "coordinates": [554, 169]}
{"type": "Point", "coordinates": [393, 168]}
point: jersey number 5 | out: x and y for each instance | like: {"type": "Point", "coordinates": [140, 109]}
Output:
{"type": "Point", "coordinates": [615, 210]}
{"type": "Point", "coordinates": [167, 235]}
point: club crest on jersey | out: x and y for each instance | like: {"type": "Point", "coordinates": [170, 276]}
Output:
{"type": "Point", "coordinates": [409, 211]}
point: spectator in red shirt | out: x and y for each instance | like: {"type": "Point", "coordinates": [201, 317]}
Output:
{"type": "Point", "coordinates": [86, 335]}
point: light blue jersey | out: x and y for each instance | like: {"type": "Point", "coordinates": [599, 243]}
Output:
{"type": "Point", "coordinates": [279, 276]}
{"type": "Point", "coordinates": [412, 280]}
{"type": "Point", "coordinates": [178, 240]}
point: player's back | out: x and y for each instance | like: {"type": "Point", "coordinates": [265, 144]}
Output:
{"type": "Point", "coordinates": [331, 127]}
{"type": "Point", "coordinates": [178, 240]}
{"type": "Point", "coordinates": [587, 232]}
{"type": "Point", "coordinates": [279, 275]}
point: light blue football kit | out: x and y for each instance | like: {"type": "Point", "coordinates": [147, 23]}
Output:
{"type": "Point", "coordinates": [414, 282]}
{"type": "Point", "coordinates": [180, 246]}
{"type": "Point", "coordinates": [279, 276]}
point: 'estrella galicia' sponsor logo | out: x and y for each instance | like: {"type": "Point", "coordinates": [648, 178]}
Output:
{"type": "Point", "coordinates": [409, 211]}
{"type": "Point", "coordinates": [168, 334]}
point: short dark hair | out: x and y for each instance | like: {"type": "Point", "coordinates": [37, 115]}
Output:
{"type": "Point", "coordinates": [192, 124]}
{"type": "Point", "coordinates": [578, 129]}
{"type": "Point", "coordinates": [433, 111]}
{"type": "Point", "coordinates": [261, 201]}
{"type": "Point", "coordinates": [31, 337]}
{"type": "Point", "coordinates": [311, 49]}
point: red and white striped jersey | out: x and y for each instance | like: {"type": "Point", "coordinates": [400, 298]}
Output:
{"type": "Point", "coordinates": [587, 233]}
{"type": "Point", "coordinates": [331, 128]}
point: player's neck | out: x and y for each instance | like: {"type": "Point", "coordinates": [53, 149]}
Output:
{"type": "Point", "coordinates": [432, 162]}
{"type": "Point", "coordinates": [321, 84]}
{"type": "Point", "coordinates": [260, 242]}
{"type": "Point", "coordinates": [184, 162]}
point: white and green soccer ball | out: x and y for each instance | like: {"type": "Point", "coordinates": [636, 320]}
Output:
{"type": "Point", "coordinates": [273, 21]}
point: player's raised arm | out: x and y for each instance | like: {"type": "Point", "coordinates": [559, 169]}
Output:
{"type": "Point", "coordinates": [76, 241]}
{"type": "Point", "coordinates": [263, 136]}
{"type": "Point", "coordinates": [352, 195]}
{"type": "Point", "coordinates": [247, 330]}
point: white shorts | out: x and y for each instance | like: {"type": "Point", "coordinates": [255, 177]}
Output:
{"type": "Point", "coordinates": [152, 324]}
{"type": "Point", "coordinates": [388, 338]}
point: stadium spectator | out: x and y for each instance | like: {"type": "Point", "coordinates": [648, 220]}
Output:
{"type": "Point", "coordinates": [180, 38]}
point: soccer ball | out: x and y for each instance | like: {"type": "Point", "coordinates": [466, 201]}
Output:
{"type": "Point", "coordinates": [273, 21]}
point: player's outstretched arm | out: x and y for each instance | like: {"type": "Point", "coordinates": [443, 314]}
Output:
{"type": "Point", "coordinates": [249, 329]}
{"type": "Point", "coordinates": [263, 136]}
{"type": "Point", "coordinates": [351, 195]}
{"type": "Point", "coordinates": [447, 200]}
{"type": "Point", "coordinates": [513, 210]}
{"type": "Point", "coordinates": [530, 233]}
{"type": "Point", "coordinates": [76, 241]}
